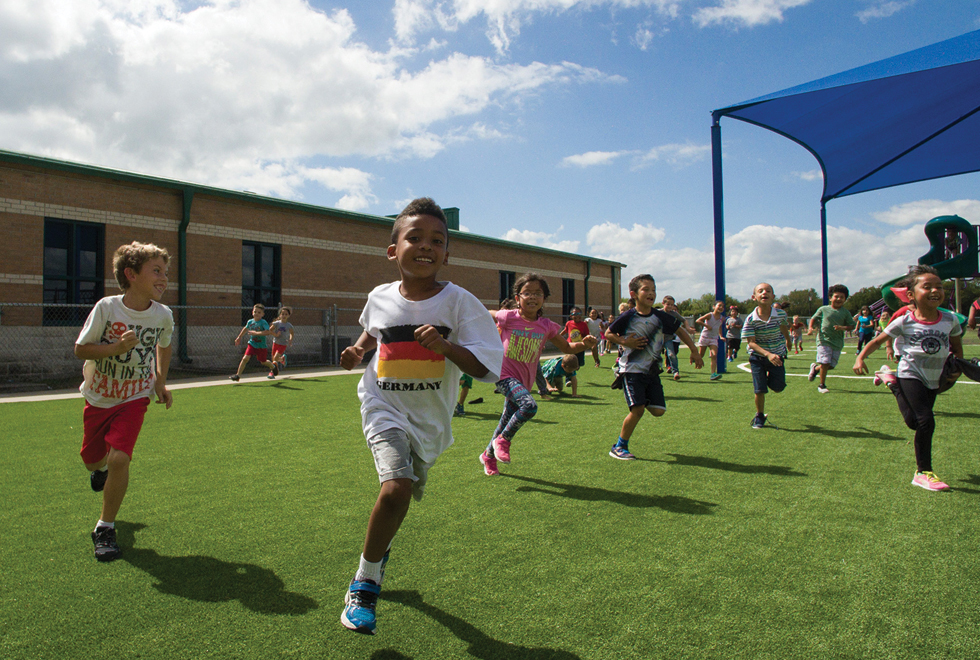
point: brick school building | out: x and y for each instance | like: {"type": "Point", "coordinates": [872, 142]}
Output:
{"type": "Point", "coordinates": [62, 221]}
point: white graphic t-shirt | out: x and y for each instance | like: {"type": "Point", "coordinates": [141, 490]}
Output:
{"type": "Point", "coordinates": [129, 376]}
{"type": "Point", "coordinates": [922, 347]}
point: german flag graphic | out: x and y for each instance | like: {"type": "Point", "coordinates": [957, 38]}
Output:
{"type": "Point", "coordinates": [400, 356]}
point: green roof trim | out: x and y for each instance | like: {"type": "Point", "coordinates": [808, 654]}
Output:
{"type": "Point", "coordinates": [42, 162]}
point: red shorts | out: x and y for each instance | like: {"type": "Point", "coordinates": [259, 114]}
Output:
{"type": "Point", "coordinates": [260, 354]}
{"type": "Point", "coordinates": [116, 427]}
{"type": "Point", "coordinates": [279, 348]}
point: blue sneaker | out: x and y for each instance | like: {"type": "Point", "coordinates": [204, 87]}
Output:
{"type": "Point", "coordinates": [622, 453]}
{"type": "Point", "coordinates": [361, 599]}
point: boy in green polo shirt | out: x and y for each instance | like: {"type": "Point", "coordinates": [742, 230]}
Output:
{"type": "Point", "coordinates": [834, 320]}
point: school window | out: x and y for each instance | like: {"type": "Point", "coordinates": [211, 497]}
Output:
{"type": "Point", "coordinates": [507, 278]}
{"type": "Point", "coordinates": [74, 270]}
{"type": "Point", "coordinates": [567, 296]}
{"type": "Point", "coordinates": [260, 277]}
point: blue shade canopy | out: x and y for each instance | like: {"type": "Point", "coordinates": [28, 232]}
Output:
{"type": "Point", "coordinates": [908, 118]}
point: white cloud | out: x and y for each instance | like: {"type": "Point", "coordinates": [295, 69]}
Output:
{"type": "Point", "coordinates": [882, 9]}
{"type": "Point", "coordinates": [787, 258]}
{"type": "Point", "coordinates": [747, 13]}
{"type": "Point", "coordinates": [810, 175]}
{"type": "Point", "coordinates": [541, 239]}
{"type": "Point", "coordinates": [927, 209]}
{"type": "Point", "coordinates": [676, 155]}
{"type": "Point", "coordinates": [591, 158]}
{"type": "Point", "coordinates": [504, 18]}
{"type": "Point", "coordinates": [238, 94]}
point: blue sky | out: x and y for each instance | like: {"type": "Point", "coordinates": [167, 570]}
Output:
{"type": "Point", "coordinates": [578, 125]}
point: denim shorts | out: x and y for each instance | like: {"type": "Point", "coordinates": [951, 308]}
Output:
{"type": "Point", "coordinates": [394, 458]}
{"type": "Point", "coordinates": [767, 376]}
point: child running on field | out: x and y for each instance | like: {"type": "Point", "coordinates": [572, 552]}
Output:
{"type": "Point", "coordinates": [427, 332]}
{"type": "Point", "coordinates": [279, 329]}
{"type": "Point", "coordinates": [834, 320]}
{"type": "Point", "coordinates": [733, 337]}
{"type": "Point", "coordinates": [796, 331]}
{"type": "Point", "coordinates": [256, 329]}
{"type": "Point", "coordinates": [865, 327]}
{"type": "Point", "coordinates": [923, 337]}
{"type": "Point", "coordinates": [711, 323]}
{"type": "Point", "coordinates": [641, 331]}
{"type": "Point", "coordinates": [767, 336]}
{"type": "Point", "coordinates": [523, 332]}
{"type": "Point", "coordinates": [126, 344]}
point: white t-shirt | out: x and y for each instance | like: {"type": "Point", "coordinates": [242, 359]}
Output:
{"type": "Point", "coordinates": [922, 348]}
{"type": "Point", "coordinates": [409, 387]}
{"type": "Point", "coordinates": [122, 378]}
{"type": "Point", "coordinates": [595, 327]}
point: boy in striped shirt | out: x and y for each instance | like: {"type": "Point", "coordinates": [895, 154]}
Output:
{"type": "Point", "coordinates": [767, 336]}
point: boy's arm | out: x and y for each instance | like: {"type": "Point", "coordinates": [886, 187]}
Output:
{"type": "Point", "coordinates": [352, 355]}
{"type": "Point", "coordinates": [163, 368]}
{"type": "Point", "coordinates": [430, 338]}
{"type": "Point", "coordinates": [696, 358]}
{"type": "Point", "coordinates": [99, 351]}
{"type": "Point", "coordinates": [789, 340]}
{"type": "Point", "coordinates": [241, 334]}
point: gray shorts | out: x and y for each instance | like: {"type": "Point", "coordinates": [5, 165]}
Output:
{"type": "Point", "coordinates": [394, 458]}
{"type": "Point", "coordinates": [828, 355]}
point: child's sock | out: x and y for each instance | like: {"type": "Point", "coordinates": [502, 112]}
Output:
{"type": "Point", "coordinates": [103, 523]}
{"type": "Point", "coordinates": [623, 443]}
{"type": "Point", "coordinates": [369, 570]}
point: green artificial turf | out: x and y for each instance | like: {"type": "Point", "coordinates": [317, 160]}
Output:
{"type": "Point", "coordinates": [248, 504]}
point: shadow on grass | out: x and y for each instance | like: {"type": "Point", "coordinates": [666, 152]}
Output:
{"type": "Point", "coordinates": [674, 397]}
{"type": "Point", "coordinates": [496, 417]}
{"type": "Point", "coordinates": [481, 645]}
{"type": "Point", "coordinates": [211, 580]}
{"type": "Point", "coordinates": [864, 432]}
{"type": "Point", "coordinates": [967, 415]}
{"type": "Point", "coordinates": [673, 503]}
{"type": "Point", "coordinates": [715, 464]}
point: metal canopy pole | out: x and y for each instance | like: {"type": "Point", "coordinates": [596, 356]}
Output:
{"type": "Point", "coordinates": [823, 251]}
{"type": "Point", "coordinates": [719, 208]}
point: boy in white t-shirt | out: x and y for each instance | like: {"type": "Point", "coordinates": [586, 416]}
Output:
{"type": "Point", "coordinates": [427, 333]}
{"type": "Point", "coordinates": [126, 344]}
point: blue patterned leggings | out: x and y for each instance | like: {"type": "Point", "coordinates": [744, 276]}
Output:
{"type": "Point", "coordinates": [519, 407]}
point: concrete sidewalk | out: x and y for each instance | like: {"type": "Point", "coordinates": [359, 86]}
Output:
{"type": "Point", "coordinates": [186, 383]}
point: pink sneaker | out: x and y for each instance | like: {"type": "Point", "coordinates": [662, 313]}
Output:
{"type": "Point", "coordinates": [489, 464]}
{"type": "Point", "coordinates": [501, 449]}
{"type": "Point", "coordinates": [929, 481]}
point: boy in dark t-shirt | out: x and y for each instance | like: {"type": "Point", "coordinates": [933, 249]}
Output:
{"type": "Point", "coordinates": [641, 331]}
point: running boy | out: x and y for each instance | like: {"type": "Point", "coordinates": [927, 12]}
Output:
{"type": "Point", "coordinates": [256, 329]}
{"type": "Point", "coordinates": [126, 340]}
{"type": "Point", "coordinates": [834, 321]}
{"type": "Point", "coordinates": [767, 337]}
{"type": "Point", "coordinates": [427, 332]}
{"type": "Point", "coordinates": [641, 331]}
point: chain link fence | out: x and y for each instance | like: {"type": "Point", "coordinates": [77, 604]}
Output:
{"type": "Point", "coordinates": [37, 340]}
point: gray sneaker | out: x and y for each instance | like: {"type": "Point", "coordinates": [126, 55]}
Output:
{"type": "Point", "coordinates": [758, 421]}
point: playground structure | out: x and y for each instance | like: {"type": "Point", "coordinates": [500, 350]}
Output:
{"type": "Point", "coordinates": [954, 253]}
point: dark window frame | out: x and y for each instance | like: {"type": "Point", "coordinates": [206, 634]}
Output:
{"type": "Point", "coordinates": [567, 296]}
{"type": "Point", "coordinates": [254, 290]}
{"type": "Point", "coordinates": [507, 279]}
{"type": "Point", "coordinates": [80, 279]}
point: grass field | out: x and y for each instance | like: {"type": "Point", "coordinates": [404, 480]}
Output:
{"type": "Point", "coordinates": [248, 504]}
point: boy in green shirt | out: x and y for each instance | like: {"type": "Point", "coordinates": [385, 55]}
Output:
{"type": "Point", "coordinates": [834, 321]}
